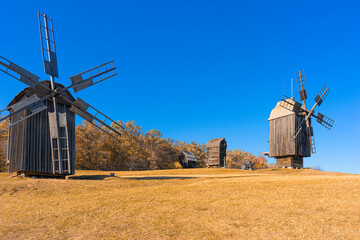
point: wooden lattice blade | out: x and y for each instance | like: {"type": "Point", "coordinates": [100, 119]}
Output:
{"type": "Point", "coordinates": [33, 103]}
{"type": "Point", "coordinates": [48, 47]}
{"type": "Point", "coordinates": [18, 73]}
{"type": "Point", "coordinates": [301, 85]}
{"type": "Point", "coordinates": [324, 92]}
{"type": "Point", "coordinates": [98, 119]}
{"type": "Point", "coordinates": [93, 76]}
{"type": "Point", "coordinates": [325, 121]}
{"type": "Point", "coordinates": [290, 104]}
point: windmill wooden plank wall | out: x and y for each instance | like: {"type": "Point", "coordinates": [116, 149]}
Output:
{"type": "Point", "coordinates": [29, 141]}
{"type": "Point", "coordinates": [216, 152]}
{"type": "Point", "coordinates": [282, 147]}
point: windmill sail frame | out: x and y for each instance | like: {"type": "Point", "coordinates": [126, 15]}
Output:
{"type": "Point", "coordinates": [33, 107]}
{"type": "Point", "coordinates": [303, 132]}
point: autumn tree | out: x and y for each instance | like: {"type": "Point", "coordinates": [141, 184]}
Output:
{"type": "Point", "coordinates": [237, 157]}
{"type": "Point", "coordinates": [131, 142]}
{"type": "Point", "coordinates": [138, 150]}
{"type": "Point", "coordinates": [3, 146]}
{"type": "Point", "coordinates": [199, 150]}
{"type": "Point", "coordinates": [133, 150]}
{"type": "Point", "coordinates": [90, 152]}
{"type": "Point", "coordinates": [260, 162]}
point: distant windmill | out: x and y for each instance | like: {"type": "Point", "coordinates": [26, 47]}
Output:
{"type": "Point", "coordinates": [248, 165]}
{"type": "Point", "coordinates": [41, 118]}
{"type": "Point", "coordinates": [291, 133]}
{"type": "Point", "coordinates": [216, 152]}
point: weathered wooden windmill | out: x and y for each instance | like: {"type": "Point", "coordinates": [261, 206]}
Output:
{"type": "Point", "coordinates": [187, 159]}
{"type": "Point", "coordinates": [216, 152]}
{"type": "Point", "coordinates": [41, 118]}
{"type": "Point", "coordinates": [291, 133]}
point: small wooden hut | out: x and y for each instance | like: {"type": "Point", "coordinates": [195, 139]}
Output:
{"type": "Point", "coordinates": [216, 152]}
{"type": "Point", "coordinates": [282, 147]}
{"type": "Point", "coordinates": [29, 146]}
{"type": "Point", "coordinates": [187, 159]}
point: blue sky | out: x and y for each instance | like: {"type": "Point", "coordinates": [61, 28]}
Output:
{"type": "Point", "coordinates": [197, 70]}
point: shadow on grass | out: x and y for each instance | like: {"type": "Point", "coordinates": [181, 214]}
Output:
{"type": "Point", "coordinates": [160, 178]}
{"type": "Point", "coordinates": [183, 177]}
{"type": "Point", "coordinates": [102, 177]}
{"type": "Point", "coordinates": [90, 177]}
{"type": "Point", "coordinates": [242, 176]}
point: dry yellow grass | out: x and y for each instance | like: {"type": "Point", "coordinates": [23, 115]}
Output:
{"type": "Point", "coordinates": [183, 204]}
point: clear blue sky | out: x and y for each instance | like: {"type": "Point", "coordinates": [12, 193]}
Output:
{"type": "Point", "coordinates": [197, 70]}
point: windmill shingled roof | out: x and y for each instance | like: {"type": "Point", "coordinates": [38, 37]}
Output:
{"type": "Point", "coordinates": [280, 111]}
{"type": "Point", "coordinates": [214, 142]}
{"type": "Point", "coordinates": [40, 93]}
{"type": "Point", "coordinates": [190, 156]}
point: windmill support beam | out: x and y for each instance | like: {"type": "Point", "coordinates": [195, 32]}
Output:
{"type": "Point", "coordinates": [290, 162]}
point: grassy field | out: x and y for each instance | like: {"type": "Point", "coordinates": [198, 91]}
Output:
{"type": "Point", "coordinates": [183, 204]}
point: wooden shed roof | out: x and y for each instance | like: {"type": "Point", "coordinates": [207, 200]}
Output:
{"type": "Point", "coordinates": [280, 111]}
{"type": "Point", "coordinates": [189, 156]}
{"type": "Point", "coordinates": [215, 142]}
{"type": "Point", "coordinates": [40, 93]}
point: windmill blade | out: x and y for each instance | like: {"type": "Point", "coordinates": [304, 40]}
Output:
{"type": "Point", "coordinates": [48, 45]}
{"type": "Point", "coordinates": [310, 133]}
{"type": "Point", "coordinates": [324, 92]}
{"type": "Point", "coordinates": [99, 120]}
{"type": "Point", "coordinates": [325, 121]}
{"type": "Point", "coordinates": [318, 100]}
{"type": "Point", "coordinates": [19, 73]}
{"type": "Point", "coordinates": [290, 104]}
{"type": "Point", "coordinates": [300, 81]}
{"type": "Point", "coordinates": [48, 50]}
{"type": "Point", "coordinates": [304, 122]}
{"type": "Point", "coordinates": [93, 76]}
{"type": "Point", "coordinates": [33, 103]}
{"type": "Point", "coordinates": [310, 136]}
{"type": "Point", "coordinates": [301, 85]}
{"type": "Point", "coordinates": [298, 130]}
{"type": "Point", "coordinates": [311, 141]}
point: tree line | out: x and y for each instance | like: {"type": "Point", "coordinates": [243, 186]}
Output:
{"type": "Point", "coordinates": [136, 150]}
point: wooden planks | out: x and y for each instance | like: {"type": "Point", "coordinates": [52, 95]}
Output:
{"type": "Point", "coordinates": [281, 142]}
{"type": "Point", "coordinates": [29, 144]}
{"type": "Point", "coordinates": [216, 152]}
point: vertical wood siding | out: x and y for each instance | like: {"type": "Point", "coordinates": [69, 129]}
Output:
{"type": "Point", "coordinates": [281, 143]}
{"type": "Point", "coordinates": [29, 144]}
{"type": "Point", "coordinates": [216, 153]}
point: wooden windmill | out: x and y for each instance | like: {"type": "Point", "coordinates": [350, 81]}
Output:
{"type": "Point", "coordinates": [41, 118]}
{"type": "Point", "coordinates": [291, 133]}
{"type": "Point", "coordinates": [187, 159]}
{"type": "Point", "coordinates": [216, 152]}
